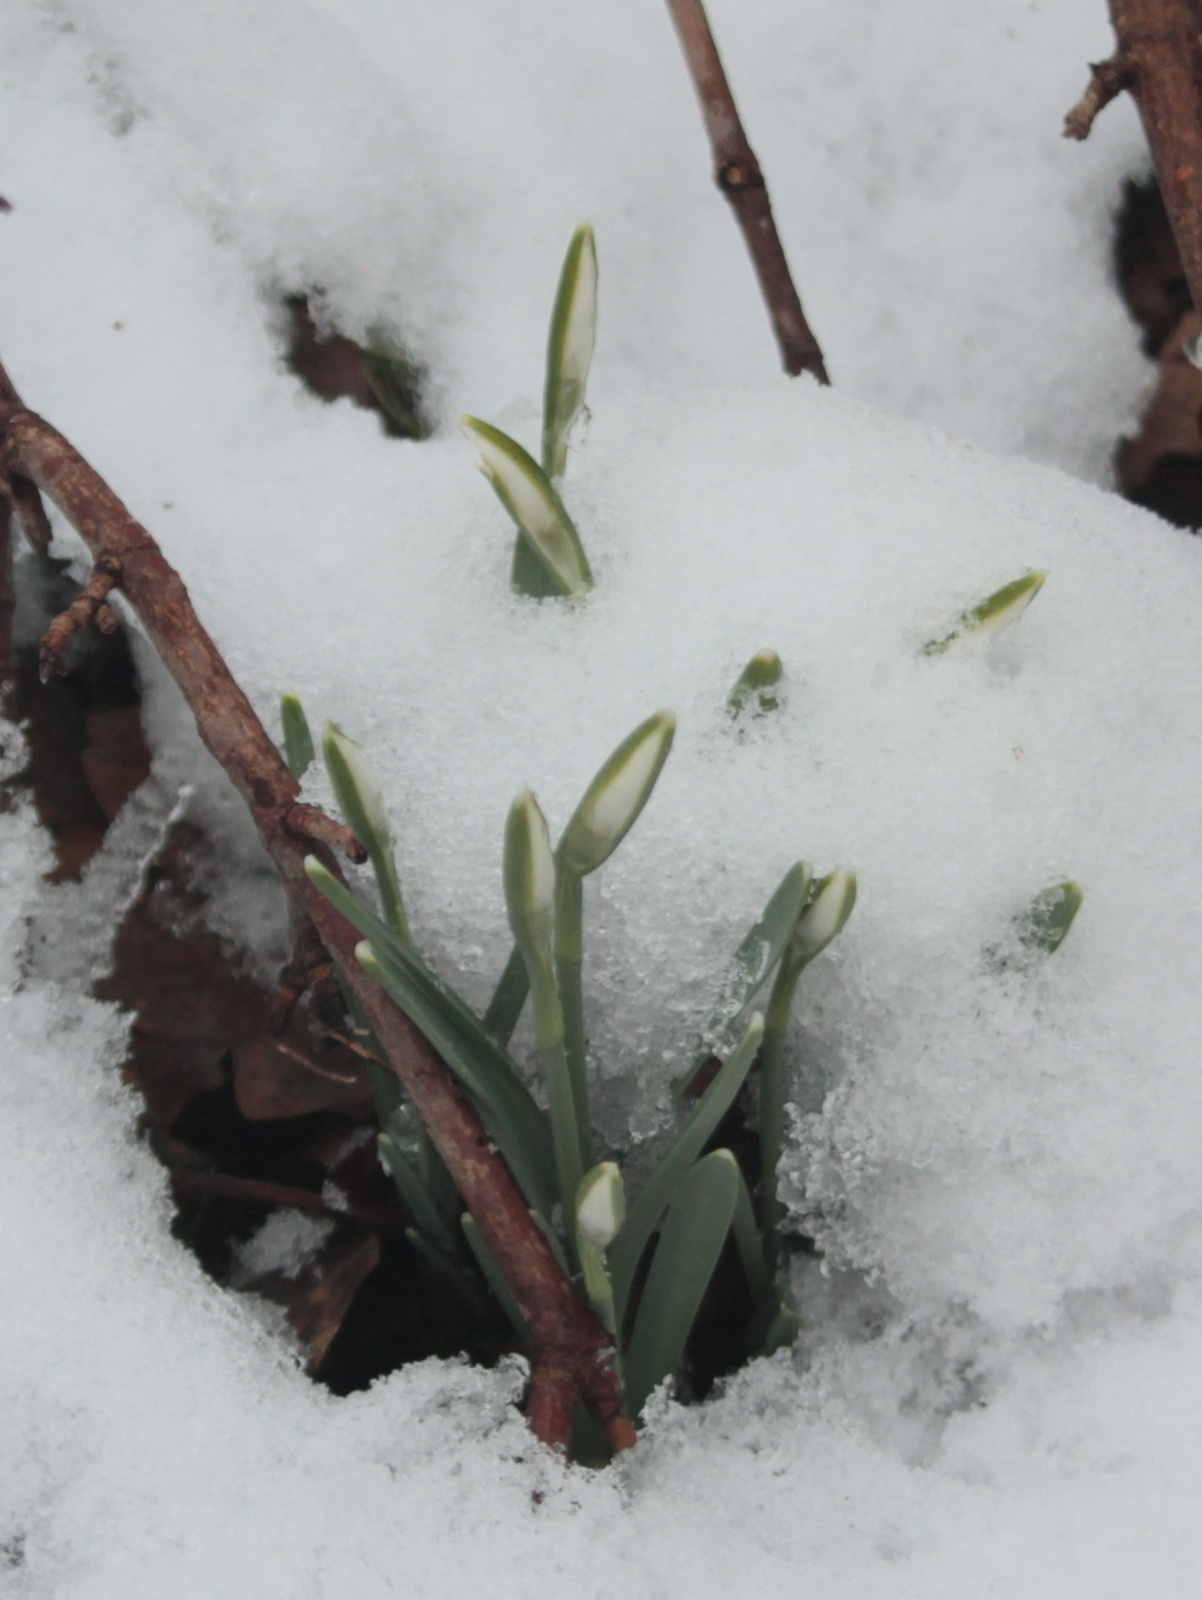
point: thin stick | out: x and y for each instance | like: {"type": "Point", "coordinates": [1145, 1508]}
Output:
{"type": "Point", "coordinates": [274, 1196]}
{"type": "Point", "coordinates": [1159, 60]}
{"type": "Point", "coordinates": [737, 173]}
{"type": "Point", "coordinates": [573, 1356]}
{"type": "Point", "coordinates": [88, 606]}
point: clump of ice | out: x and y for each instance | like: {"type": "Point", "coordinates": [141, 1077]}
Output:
{"type": "Point", "coordinates": [285, 1243]}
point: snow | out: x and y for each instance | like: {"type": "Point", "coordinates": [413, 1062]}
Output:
{"type": "Point", "coordinates": [998, 1387]}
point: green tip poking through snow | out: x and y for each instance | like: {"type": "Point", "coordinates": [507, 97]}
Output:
{"type": "Point", "coordinates": [526, 492]}
{"type": "Point", "coordinates": [569, 348]}
{"type": "Point", "coordinates": [1047, 920]}
{"type": "Point", "coordinates": [990, 616]}
{"type": "Point", "coordinates": [755, 691]}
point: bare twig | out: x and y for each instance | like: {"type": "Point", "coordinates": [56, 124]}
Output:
{"type": "Point", "coordinates": [1107, 81]}
{"type": "Point", "coordinates": [738, 175]}
{"type": "Point", "coordinates": [1159, 59]}
{"type": "Point", "coordinates": [304, 821]}
{"type": "Point", "coordinates": [309, 970]}
{"type": "Point", "coordinates": [90, 604]}
{"type": "Point", "coordinates": [572, 1358]}
{"type": "Point", "coordinates": [23, 499]}
{"type": "Point", "coordinates": [271, 1196]}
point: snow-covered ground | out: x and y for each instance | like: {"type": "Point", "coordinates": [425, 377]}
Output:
{"type": "Point", "coordinates": [998, 1391]}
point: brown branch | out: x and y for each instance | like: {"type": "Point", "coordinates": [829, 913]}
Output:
{"type": "Point", "coordinates": [1160, 51]}
{"type": "Point", "coordinates": [738, 175]}
{"type": "Point", "coordinates": [572, 1356]}
{"type": "Point", "coordinates": [21, 495]}
{"type": "Point", "coordinates": [31, 513]}
{"type": "Point", "coordinates": [271, 1196]}
{"type": "Point", "coordinates": [90, 604]}
{"type": "Point", "coordinates": [309, 969]}
{"type": "Point", "coordinates": [1107, 81]}
{"type": "Point", "coordinates": [304, 821]}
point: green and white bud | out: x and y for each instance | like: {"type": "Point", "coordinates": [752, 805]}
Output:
{"type": "Point", "coordinates": [755, 689]}
{"type": "Point", "coordinates": [822, 920]}
{"type": "Point", "coordinates": [990, 616]}
{"type": "Point", "coordinates": [613, 800]}
{"type": "Point", "coordinates": [601, 1205]}
{"type": "Point", "coordinates": [529, 878]}
{"type": "Point", "coordinates": [361, 801]}
{"type": "Point", "coordinates": [360, 798]}
{"type": "Point", "coordinates": [525, 491]}
{"type": "Point", "coordinates": [570, 345]}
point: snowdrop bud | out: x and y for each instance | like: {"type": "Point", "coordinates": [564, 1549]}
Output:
{"type": "Point", "coordinates": [613, 800]}
{"type": "Point", "coordinates": [823, 919]}
{"type": "Point", "coordinates": [359, 795]}
{"type": "Point", "coordinates": [601, 1204]}
{"type": "Point", "coordinates": [570, 348]}
{"type": "Point", "coordinates": [529, 877]}
{"type": "Point", "coordinates": [754, 688]}
{"type": "Point", "coordinates": [991, 616]}
{"type": "Point", "coordinates": [526, 493]}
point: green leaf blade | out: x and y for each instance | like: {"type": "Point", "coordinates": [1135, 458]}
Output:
{"type": "Point", "coordinates": [298, 739]}
{"type": "Point", "coordinates": [658, 1192]}
{"type": "Point", "coordinates": [689, 1248]}
{"type": "Point", "coordinates": [570, 344]}
{"type": "Point", "coordinates": [530, 498]}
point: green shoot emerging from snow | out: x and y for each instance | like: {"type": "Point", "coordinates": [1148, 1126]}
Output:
{"type": "Point", "coordinates": [990, 616]}
{"type": "Point", "coordinates": [545, 530]}
{"type": "Point", "coordinates": [756, 689]}
{"type": "Point", "coordinates": [569, 348]}
{"type": "Point", "coordinates": [548, 558]}
{"type": "Point", "coordinates": [1049, 917]}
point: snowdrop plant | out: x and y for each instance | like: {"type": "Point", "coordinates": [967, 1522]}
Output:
{"type": "Point", "coordinates": [644, 1261]}
{"type": "Point", "coordinates": [548, 558]}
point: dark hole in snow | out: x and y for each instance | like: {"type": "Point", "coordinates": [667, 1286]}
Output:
{"type": "Point", "coordinates": [378, 376]}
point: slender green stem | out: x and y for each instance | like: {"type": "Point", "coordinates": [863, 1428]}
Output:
{"type": "Point", "coordinates": [392, 906]}
{"type": "Point", "coordinates": [597, 1284]}
{"type": "Point", "coordinates": [509, 997]}
{"type": "Point", "coordinates": [565, 1116]}
{"type": "Point", "coordinates": [569, 968]}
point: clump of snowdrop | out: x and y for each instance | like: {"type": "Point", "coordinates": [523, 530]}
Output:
{"type": "Point", "coordinates": [644, 1260]}
{"type": "Point", "coordinates": [693, 1199]}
